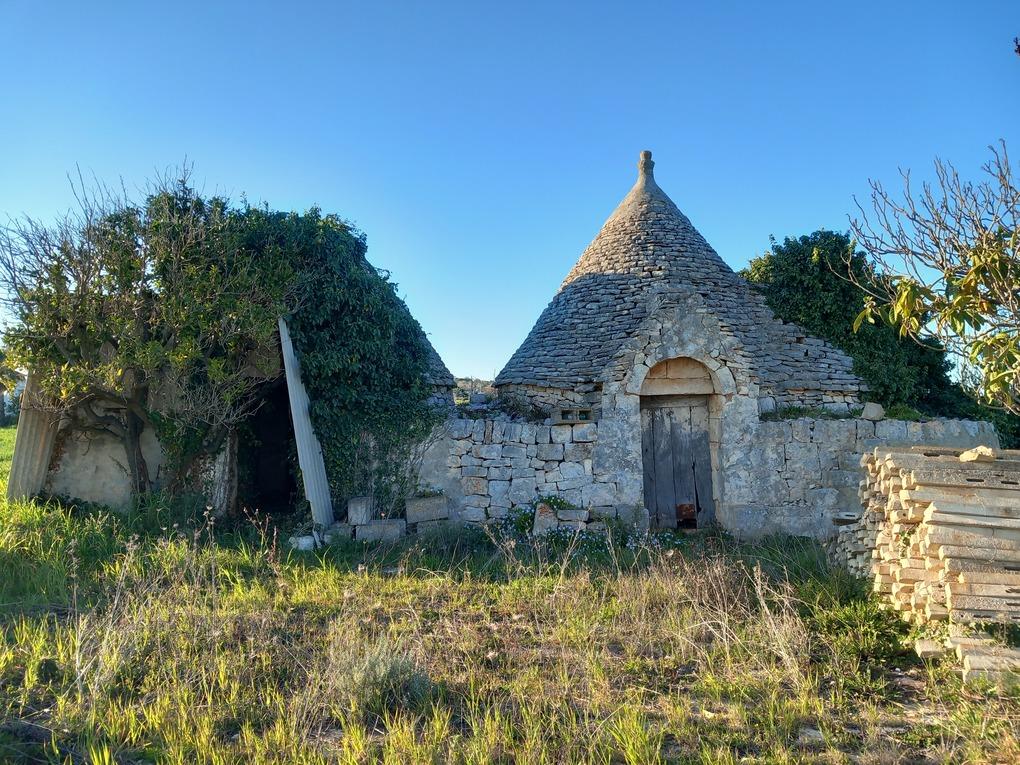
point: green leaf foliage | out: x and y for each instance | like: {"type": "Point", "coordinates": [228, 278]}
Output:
{"type": "Point", "coordinates": [804, 281]}
{"type": "Point", "coordinates": [364, 359]}
{"type": "Point", "coordinates": [164, 315]}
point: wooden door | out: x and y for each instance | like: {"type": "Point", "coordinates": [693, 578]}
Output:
{"type": "Point", "coordinates": [677, 461]}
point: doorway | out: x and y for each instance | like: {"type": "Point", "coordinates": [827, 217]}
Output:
{"type": "Point", "coordinates": [267, 455]}
{"type": "Point", "coordinates": [677, 461]}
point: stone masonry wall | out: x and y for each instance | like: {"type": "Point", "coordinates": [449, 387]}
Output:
{"type": "Point", "coordinates": [784, 476]}
{"type": "Point", "coordinates": [803, 473]}
{"type": "Point", "coordinates": [498, 465]}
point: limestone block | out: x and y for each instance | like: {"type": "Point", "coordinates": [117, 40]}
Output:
{"type": "Point", "coordinates": [822, 499]}
{"type": "Point", "coordinates": [545, 520]}
{"type": "Point", "coordinates": [476, 500]}
{"type": "Point", "coordinates": [522, 472]}
{"type": "Point", "coordinates": [359, 510]}
{"type": "Point", "coordinates": [472, 514]}
{"type": "Point", "coordinates": [584, 432]}
{"type": "Point", "coordinates": [550, 451]}
{"type": "Point", "coordinates": [475, 485]}
{"type": "Point", "coordinates": [499, 492]}
{"type": "Point", "coordinates": [802, 458]}
{"type": "Point", "coordinates": [598, 494]}
{"type": "Point", "coordinates": [891, 431]}
{"type": "Point", "coordinates": [523, 490]}
{"type": "Point", "coordinates": [542, 434]}
{"type": "Point", "coordinates": [381, 530]}
{"type": "Point", "coordinates": [572, 483]}
{"type": "Point", "coordinates": [573, 496]}
{"type": "Point", "coordinates": [419, 509]}
{"type": "Point", "coordinates": [496, 436]}
{"type": "Point", "coordinates": [873, 412]}
{"type": "Point", "coordinates": [607, 511]}
{"type": "Point", "coordinates": [572, 514]}
{"type": "Point", "coordinates": [528, 431]}
{"type": "Point", "coordinates": [571, 469]}
{"type": "Point", "coordinates": [511, 451]}
{"type": "Point", "coordinates": [426, 528]}
{"type": "Point", "coordinates": [839, 434]}
{"type": "Point", "coordinates": [500, 473]}
{"type": "Point", "coordinates": [475, 472]}
{"type": "Point", "coordinates": [561, 434]}
{"type": "Point", "coordinates": [303, 543]}
{"type": "Point", "coordinates": [469, 460]}
{"type": "Point", "coordinates": [578, 452]}
{"type": "Point", "coordinates": [865, 429]}
{"type": "Point", "coordinates": [459, 428]}
{"type": "Point", "coordinates": [498, 512]}
{"type": "Point", "coordinates": [801, 429]}
{"type": "Point", "coordinates": [488, 451]}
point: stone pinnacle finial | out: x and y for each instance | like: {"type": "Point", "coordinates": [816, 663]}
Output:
{"type": "Point", "coordinates": [645, 164]}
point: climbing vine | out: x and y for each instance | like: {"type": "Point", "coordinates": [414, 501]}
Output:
{"type": "Point", "coordinates": [364, 361]}
{"type": "Point", "coordinates": [162, 315]}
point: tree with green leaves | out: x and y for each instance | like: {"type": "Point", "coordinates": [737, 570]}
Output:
{"type": "Point", "coordinates": [162, 315]}
{"type": "Point", "coordinates": [145, 315]}
{"type": "Point", "coordinates": [804, 280]}
{"type": "Point", "coordinates": [949, 259]}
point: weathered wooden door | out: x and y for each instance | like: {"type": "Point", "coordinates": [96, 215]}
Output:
{"type": "Point", "coordinates": [677, 461]}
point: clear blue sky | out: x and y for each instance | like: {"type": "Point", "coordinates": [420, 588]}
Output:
{"type": "Point", "coordinates": [481, 145]}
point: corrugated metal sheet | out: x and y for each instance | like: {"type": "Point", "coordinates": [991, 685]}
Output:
{"type": "Point", "coordinates": [313, 468]}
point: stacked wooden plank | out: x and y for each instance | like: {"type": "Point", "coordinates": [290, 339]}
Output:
{"type": "Point", "coordinates": [939, 534]}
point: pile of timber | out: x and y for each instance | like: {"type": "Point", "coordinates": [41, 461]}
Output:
{"type": "Point", "coordinates": [939, 534]}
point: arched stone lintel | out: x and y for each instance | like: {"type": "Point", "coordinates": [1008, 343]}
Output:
{"type": "Point", "coordinates": [722, 378]}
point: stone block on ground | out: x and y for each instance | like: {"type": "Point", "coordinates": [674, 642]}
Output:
{"type": "Point", "coordinates": [545, 520]}
{"type": "Point", "coordinates": [572, 514]}
{"type": "Point", "coordinates": [873, 412]}
{"type": "Point", "coordinates": [359, 510]}
{"type": "Point", "coordinates": [337, 532]}
{"type": "Point", "coordinates": [381, 530]}
{"type": "Point", "coordinates": [421, 509]}
{"type": "Point", "coordinates": [303, 543]}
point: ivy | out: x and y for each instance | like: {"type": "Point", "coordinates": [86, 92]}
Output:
{"type": "Point", "coordinates": [363, 360]}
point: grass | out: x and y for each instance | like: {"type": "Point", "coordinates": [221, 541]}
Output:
{"type": "Point", "coordinates": [132, 639]}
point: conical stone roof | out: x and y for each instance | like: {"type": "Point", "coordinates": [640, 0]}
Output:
{"type": "Point", "coordinates": [647, 249]}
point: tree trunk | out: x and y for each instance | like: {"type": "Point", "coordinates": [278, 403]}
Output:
{"type": "Point", "coordinates": [139, 469]}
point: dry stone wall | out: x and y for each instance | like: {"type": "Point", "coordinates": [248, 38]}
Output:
{"type": "Point", "coordinates": [799, 475]}
{"type": "Point", "coordinates": [784, 476]}
{"type": "Point", "coordinates": [496, 465]}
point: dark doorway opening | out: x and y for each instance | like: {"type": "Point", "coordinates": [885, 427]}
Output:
{"type": "Point", "coordinates": [267, 455]}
